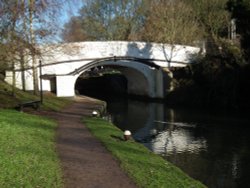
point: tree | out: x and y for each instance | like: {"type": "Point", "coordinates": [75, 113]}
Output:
{"type": "Point", "coordinates": [73, 32]}
{"type": "Point", "coordinates": [241, 12]}
{"type": "Point", "coordinates": [171, 22]}
{"type": "Point", "coordinates": [9, 37]}
{"type": "Point", "coordinates": [25, 24]}
{"type": "Point", "coordinates": [106, 20]}
{"type": "Point", "coordinates": [148, 20]}
{"type": "Point", "coordinates": [212, 16]}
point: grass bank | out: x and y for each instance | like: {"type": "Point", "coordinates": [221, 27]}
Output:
{"type": "Point", "coordinates": [27, 153]}
{"type": "Point", "coordinates": [8, 100]}
{"type": "Point", "coordinates": [147, 169]}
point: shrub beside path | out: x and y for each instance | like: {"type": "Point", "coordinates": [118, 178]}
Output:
{"type": "Point", "coordinates": [85, 161]}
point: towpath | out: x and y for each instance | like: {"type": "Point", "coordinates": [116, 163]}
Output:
{"type": "Point", "coordinates": [85, 161]}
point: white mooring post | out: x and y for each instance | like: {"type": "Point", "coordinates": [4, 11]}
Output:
{"type": "Point", "coordinates": [127, 135]}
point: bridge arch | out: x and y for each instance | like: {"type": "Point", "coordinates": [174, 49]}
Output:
{"type": "Point", "coordinates": [140, 74]}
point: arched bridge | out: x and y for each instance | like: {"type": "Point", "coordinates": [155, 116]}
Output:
{"type": "Point", "coordinates": [145, 65]}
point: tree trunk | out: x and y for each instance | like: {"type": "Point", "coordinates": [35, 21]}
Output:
{"type": "Point", "coordinates": [22, 53]}
{"type": "Point", "coordinates": [13, 79]}
{"type": "Point", "coordinates": [33, 53]}
{"type": "Point", "coordinates": [22, 62]}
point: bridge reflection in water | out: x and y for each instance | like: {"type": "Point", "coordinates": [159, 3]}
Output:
{"type": "Point", "coordinates": [211, 148]}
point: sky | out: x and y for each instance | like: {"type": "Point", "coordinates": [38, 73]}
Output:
{"type": "Point", "coordinates": [70, 9]}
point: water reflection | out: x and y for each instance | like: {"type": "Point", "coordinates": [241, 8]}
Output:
{"type": "Point", "coordinates": [176, 140]}
{"type": "Point", "coordinates": [212, 149]}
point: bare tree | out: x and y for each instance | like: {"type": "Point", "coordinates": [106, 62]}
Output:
{"type": "Point", "coordinates": [106, 20]}
{"type": "Point", "coordinates": [171, 22]}
{"type": "Point", "coordinates": [25, 25]}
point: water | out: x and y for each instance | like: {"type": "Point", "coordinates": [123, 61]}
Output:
{"type": "Point", "coordinates": [213, 148]}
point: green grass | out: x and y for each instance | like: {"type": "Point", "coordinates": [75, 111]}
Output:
{"type": "Point", "coordinates": [147, 169]}
{"type": "Point", "coordinates": [27, 152]}
{"type": "Point", "coordinates": [51, 102]}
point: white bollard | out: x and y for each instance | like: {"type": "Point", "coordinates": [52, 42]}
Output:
{"type": "Point", "coordinates": [127, 135]}
{"type": "Point", "coordinates": [94, 113]}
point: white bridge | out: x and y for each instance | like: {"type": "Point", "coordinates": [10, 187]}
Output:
{"type": "Point", "coordinates": [145, 65]}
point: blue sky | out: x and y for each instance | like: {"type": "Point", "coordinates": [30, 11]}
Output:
{"type": "Point", "coordinates": [70, 9]}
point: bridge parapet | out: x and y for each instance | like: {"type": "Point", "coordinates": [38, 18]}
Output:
{"type": "Point", "coordinates": [163, 55]}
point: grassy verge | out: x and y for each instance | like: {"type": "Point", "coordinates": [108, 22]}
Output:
{"type": "Point", "coordinates": [147, 169]}
{"type": "Point", "coordinates": [51, 102]}
{"type": "Point", "coordinates": [27, 153]}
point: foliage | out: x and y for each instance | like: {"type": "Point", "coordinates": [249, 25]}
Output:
{"type": "Point", "coordinates": [212, 16]}
{"type": "Point", "coordinates": [241, 12]}
{"type": "Point", "coordinates": [105, 20]}
{"type": "Point", "coordinates": [27, 153]}
{"type": "Point", "coordinates": [24, 24]}
{"type": "Point", "coordinates": [217, 81]}
{"type": "Point", "coordinates": [73, 31]}
{"type": "Point", "coordinates": [233, 52]}
{"type": "Point", "coordinates": [147, 169]}
{"type": "Point", "coordinates": [180, 21]}
{"type": "Point", "coordinates": [172, 22]}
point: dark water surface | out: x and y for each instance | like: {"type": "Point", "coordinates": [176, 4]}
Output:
{"type": "Point", "coordinates": [213, 148]}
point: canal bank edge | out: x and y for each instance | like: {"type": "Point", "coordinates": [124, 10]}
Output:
{"type": "Point", "coordinates": [143, 166]}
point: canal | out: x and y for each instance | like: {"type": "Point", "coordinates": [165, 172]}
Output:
{"type": "Point", "coordinates": [210, 146]}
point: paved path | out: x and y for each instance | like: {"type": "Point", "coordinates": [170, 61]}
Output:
{"type": "Point", "coordinates": [85, 161]}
